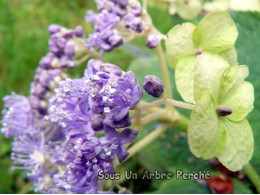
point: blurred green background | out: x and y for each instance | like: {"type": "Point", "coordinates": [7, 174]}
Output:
{"type": "Point", "coordinates": [24, 40]}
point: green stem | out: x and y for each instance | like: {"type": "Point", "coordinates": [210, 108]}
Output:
{"type": "Point", "coordinates": [252, 175]}
{"type": "Point", "coordinates": [147, 140]}
{"type": "Point", "coordinates": [164, 70]}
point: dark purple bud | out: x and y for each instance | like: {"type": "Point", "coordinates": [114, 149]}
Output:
{"type": "Point", "coordinates": [79, 32]}
{"type": "Point", "coordinates": [47, 61]}
{"type": "Point", "coordinates": [54, 28]}
{"type": "Point", "coordinates": [106, 47]}
{"type": "Point", "coordinates": [153, 85]}
{"type": "Point", "coordinates": [128, 20]}
{"type": "Point", "coordinates": [123, 2]}
{"type": "Point", "coordinates": [69, 50]}
{"type": "Point", "coordinates": [152, 41]}
{"type": "Point", "coordinates": [199, 52]}
{"type": "Point", "coordinates": [121, 11]}
{"type": "Point", "coordinates": [224, 111]}
{"type": "Point", "coordinates": [61, 42]}
{"type": "Point", "coordinates": [68, 34]}
{"type": "Point", "coordinates": [35, 102]}
{"type": "Point", "coordinates": [97, 122]}
{"type": "Point", "coordinates": [38, 89]}
{"type": "Point", "coordinates": [115, 40]}
{"type": "Point", "coordinates": [53, 47]}
{"type": "Point", "coordinates": [137, 25]}
{"type": "Point", "coordinates": [136, 10]}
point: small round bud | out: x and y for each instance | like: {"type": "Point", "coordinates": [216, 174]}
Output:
{"type": "Point", "coordinates": [224, 111]}
{"type": "Point", "coordinates": [115, 40]}
{"type": "Point", "coordinates": [69, 50]}
{"type": "Point", "coordinates": [152, 41]}
{"type": "Point", "coordinates": [136, 10]}
{"type": "Point", "coordinates": [79, 32]}
{"type": "Point", "coordinates": [54, 28]}
{"type": "Point", "coordinates": [153, 85]}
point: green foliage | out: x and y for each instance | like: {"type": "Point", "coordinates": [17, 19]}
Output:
{"type": "Point", "coordinates": [247, 45]}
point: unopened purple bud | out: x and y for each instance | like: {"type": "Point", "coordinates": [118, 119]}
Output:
{"type": "Point", "coordinates": [128, 20]}
{"type": "Point", "coordinates": [152, 41]}
{"type": "Point", "coordinates": [121, 11]}
{"type": "Point", "coordinates": [97, 122]}
{"type": "Point", "coordinates": [106, 47]}
{"type": "Point", "coordinates": [136, 10]}
{"type": "Point", "coordinates": [115, 40]}
{"type": "Point", "coordinates": [137, 25]}
{"type": "Point", "coordinates": [53, 47]}
{"type": "Point", "coordinates": [224, 111]}
{"type": "Point", "coordinates": [68, 34]}
{"type": "Point", "coordinates": [79, 32]}
{"type": "Point", "coordinates": [54, 28]}
{"type": "Point", "coordinates": [123, 2]}
{"type": "Point", "coordinates": [35, 102]}
{"type": "Point", "coordinates": [153, 85]}
{"type": "Point", "coordinates": [47, 61]}
{"type": "Point", "coordinates": [69, 50]}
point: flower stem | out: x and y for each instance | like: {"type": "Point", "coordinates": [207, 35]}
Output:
{"type": "Point", "coordinates": [148, 139]}
{"type": "Point", "coordinates": [164, 70]}
{"type": "Point", "coordinates": [180, 104]}
{"type": "Point", "coordinates": [252, 175]}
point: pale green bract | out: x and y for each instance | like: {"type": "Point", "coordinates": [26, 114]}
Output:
{"type": "Point", "coordinates": [186, 40]}
{"type": "Point", "coordinates": [218, 85]}
{"type": "Point", "coordinates": [216, 33]}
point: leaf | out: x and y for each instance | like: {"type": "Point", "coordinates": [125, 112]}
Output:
{"type": "Point", "coordinates": [182, 187]}
{"type": "Point", "coordinates": [184, 73]}
{"type": "Point", "coordinates": [205, 136]}
{"type": "Point", "coordinates": [247, 45]}
{"type": "Point", "coordinates": [209, 70]}
{"type": "Point", "coordinates": [179, 42]}
{"type": "Point", "coordinates": [248, 5]}
{"type": "Point", "coordinates": [216, 33]}
{"type": "Point", "coordinates": [239, 145]}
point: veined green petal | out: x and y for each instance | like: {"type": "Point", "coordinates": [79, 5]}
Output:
{"type": "Point", "coordinates": [240, 100]}
{"type": "Point", "coordinates": [179, 43]}
{"type": "Point", "coordinates": [232, 77]}
{"type": "Point", "coordinates": [205, 137]}
{"type": "Point", "coordinates": [216, 33]}
{"type": "Point", "coordinates": [189, 9]}
{"type": "Point", "coordinates": [184, 73]}
{"type": "Point", "coordinates": [230, 56]}
{"type": "Point", "coordinates": [209, 70]}
{"type": "Point", "coordinates": [239, 144]}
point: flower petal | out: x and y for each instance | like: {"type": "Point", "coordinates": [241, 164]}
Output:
{"type": "Point", "coordinates": [179, 43]}
{"type": "Point", "coordinates": [239, 144]}
{"type": "Point", "coordinates": [205, 136]}
{"type": "Point", "coordinates": [240, 100]}
{"type": "Point", "coordinates": [216, 33]}
{"type": "Point", "coordinates": [209, 70]}
{"type": "Point", "coordinates": [184, 73]}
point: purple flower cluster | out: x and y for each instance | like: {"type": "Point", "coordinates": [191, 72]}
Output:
{"type": "Point", "coordinates": [84, 156]}
{"type": "Point", "coordinates": [64, 46]}
{"type": "Point", "coordinates": [85, 128]}
{"type": "Point", "coordinates": [105, 95]}
{"type": "Point", "coordinates": [113, 17]}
